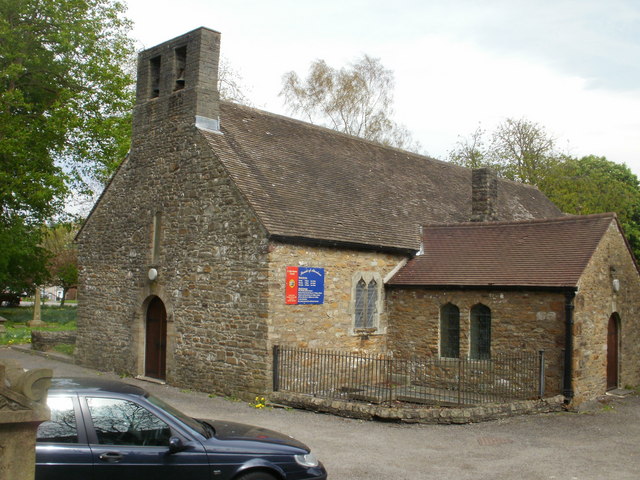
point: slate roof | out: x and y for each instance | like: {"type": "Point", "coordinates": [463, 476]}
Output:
{"type": "Point", "coordinates": [309, 182]}
{"type": "Point", "coordinates": [539, 253]}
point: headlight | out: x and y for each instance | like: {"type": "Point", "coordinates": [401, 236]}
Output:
{"type": "Point", "coordinates": [309, 460]}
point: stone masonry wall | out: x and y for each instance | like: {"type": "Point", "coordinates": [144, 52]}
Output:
{"type": "Point", "coordinates": [423, 415]}
{"type": "Point", "coordinates": [484, 199]}
{"type": "Point", "coordinates": [330, 325]}
{"type": "Point", "coordinates": [595, 302]}
{"type": "Point", "coordinates": [208, 248]}
{"type": "Point", "coordinates": [44, 340]}
{"type": "Point", "coordinates": [520, 321]}
{"type": "Point", "coordinates": [212, 271]}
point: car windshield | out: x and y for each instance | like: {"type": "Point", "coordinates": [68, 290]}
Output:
{"type": "Point", "coordinates": [191, 422]}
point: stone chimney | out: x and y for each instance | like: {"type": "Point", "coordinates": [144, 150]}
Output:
{"type": "Point", "coordinates": [178, 85]}
{"type": "Point", "coordinates": [484, 195]}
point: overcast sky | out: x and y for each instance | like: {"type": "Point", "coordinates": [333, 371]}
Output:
{"type": "Point", "coordinates": [573, 66]}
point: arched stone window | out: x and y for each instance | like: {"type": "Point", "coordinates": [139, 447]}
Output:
{"type": "Point", "coordinates": [480, 332]}
{"type": "Point", "coordinates": [449, 331]}
{"type": "Point", "coordinates": [366, 300]}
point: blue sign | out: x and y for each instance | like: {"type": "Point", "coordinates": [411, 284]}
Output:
{"type": "Point", "coordinates": [310, 285]}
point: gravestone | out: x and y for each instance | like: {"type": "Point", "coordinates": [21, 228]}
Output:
{"type": "Point", "coordinates": [37, 316]}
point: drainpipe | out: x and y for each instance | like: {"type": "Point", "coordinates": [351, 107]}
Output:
{"type": "Point", "coordinates": [568, 346]}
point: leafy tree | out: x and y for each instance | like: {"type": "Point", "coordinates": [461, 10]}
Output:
{"type": "Point", "coordinates": [596, 185]}
{"type": "Point", "coordinates": [523, 149]}
{"type": "Point", "coordinates": [518, 149]}
{"type": "Point", "coordinates": [357, 100]}
{"type": "Point", "coordinates": [63, 256]}
{"type": "Point", "coordinates": [22, 259]}
{"type": "Point", "coordinates": [471, 152]}
{"type": "Point", "coordinates": [65, 103]}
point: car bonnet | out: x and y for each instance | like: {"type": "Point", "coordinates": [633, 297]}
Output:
{"type": "Point", "coordinates": [240, 431]}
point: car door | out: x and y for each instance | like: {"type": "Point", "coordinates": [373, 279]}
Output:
{"type": "Point", "coordinates": [62, 449]}
{"type": "Point", "coordinates": [130, 442]}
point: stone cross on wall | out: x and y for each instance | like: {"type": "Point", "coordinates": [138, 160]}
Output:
{"type": "Point", "coordinates": [23, 395]}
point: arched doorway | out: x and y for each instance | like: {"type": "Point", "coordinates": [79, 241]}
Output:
{"type": "Point", "coordinates": [155, 358]}
{"type": "Point", "coordinates": [613, 354]}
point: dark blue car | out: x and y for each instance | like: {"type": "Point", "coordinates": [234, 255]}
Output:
{"type": "Point", "coordinates": [102, 429]}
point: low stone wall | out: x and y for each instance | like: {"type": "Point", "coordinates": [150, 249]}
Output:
{"type": "Point", "coordinates": [44, 341]}
{"type": "Point", "coordinates": [365, 411]}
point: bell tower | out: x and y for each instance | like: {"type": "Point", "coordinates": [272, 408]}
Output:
{"type": "Point", "coordinates": [178, 84]}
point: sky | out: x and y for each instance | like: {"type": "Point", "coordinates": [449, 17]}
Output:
{"type": "Point", "coordinates": [571, 66]}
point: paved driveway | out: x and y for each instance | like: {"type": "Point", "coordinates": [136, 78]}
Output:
{"type": "Point", "coordinates": [601, 444]}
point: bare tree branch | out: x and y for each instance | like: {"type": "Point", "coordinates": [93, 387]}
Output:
{"type": "Point", "coordinates": [357, 100]}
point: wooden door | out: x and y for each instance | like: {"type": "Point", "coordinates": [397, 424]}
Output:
{"type": "Point", "coordinates": [156, 340]}
{"type": "Point", "coordinates": [612, 353]}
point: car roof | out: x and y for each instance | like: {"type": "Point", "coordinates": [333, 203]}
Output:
{"type": "Point", "coordinates": [93, 385]}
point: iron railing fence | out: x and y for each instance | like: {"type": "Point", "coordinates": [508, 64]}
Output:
{"type": "Point", "coordinates": [429, 381]}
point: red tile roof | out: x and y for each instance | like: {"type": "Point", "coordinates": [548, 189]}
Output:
{"type": "Point", "coordinates": [309, 182]}
{"type": "Point", "coordinates": [537, 253]}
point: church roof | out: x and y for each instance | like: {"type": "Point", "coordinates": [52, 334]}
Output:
{"type": "Point", "coordinates": [540, 253]}
{"type": "Point", "coordinates": [312, 183]}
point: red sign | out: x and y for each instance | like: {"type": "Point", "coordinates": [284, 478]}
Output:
{"type": "Point", "coordinates": [291, 288]}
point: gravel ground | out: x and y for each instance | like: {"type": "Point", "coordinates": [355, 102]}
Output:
{"type": "Point", "coordinates": [601, 442]}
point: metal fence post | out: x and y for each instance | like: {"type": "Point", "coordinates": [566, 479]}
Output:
{"type": "Point", "coordinates": [276, 368]}
{"type": "Point", "coordinates": [541, 374]}
{"type": "Point", "coordinates": [390, 364]}
{"type": "Point", "coordinates": [459, 381]}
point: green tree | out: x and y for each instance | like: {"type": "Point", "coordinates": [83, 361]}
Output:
{"type": "Point", "coordinates": [594, 184]}
{"type": "Point", "coordinates": [65, 103]}
{"type": "Point", "coordinates": [22, 259]}
{"type": "Point", "coordinates": [472, 151]}
{"type": "Point", "coordinates": [518, 149]}
{"type": "Point", "coordinates": [522, 150]}
{"type": "Point", "coordinates": [357, 100]}
{"type": "Point", "coordinates": [62, 265]}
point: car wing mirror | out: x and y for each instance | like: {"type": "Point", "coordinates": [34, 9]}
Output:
{"type": "Point", "coordinates": [176, 445]}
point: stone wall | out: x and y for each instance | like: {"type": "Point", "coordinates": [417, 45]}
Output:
{"type": "Point", "coordinates": [212, 271]}
{"type": "Point", "coordinates": [44, 340]}
{"type": "Point", "coordinates": [172, 207]}
{"type": "Point", "coordinates": [330, 325]}
{"type": "Point", "coordinates": [520, 321]}
{"type": "Point", "coordinates": [595, 303]}
{"type": "Point", "coordinates": [423, 415]}
{"type": "Point", "coordinates": [484, 198]}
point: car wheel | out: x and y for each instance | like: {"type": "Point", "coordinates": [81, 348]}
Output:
{"type": "Point", "coordinates": [256, 476]}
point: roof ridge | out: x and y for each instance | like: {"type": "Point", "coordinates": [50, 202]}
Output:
{"type": "Point", "coordinates": [537, 221]}
{"type": "Point", "coordinates": [552, 252]}
{"type": "Point", "coordinates": [314, 126]}
{"type": "Point", "coordinates": [311, 182]}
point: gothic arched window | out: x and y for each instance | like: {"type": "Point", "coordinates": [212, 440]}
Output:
{"type": "Point", "coordinates": [480, 332]}
{"type": "Point", "coordinates": [366, 302]}
{"type": "Point", "coordinates": [449, 331]}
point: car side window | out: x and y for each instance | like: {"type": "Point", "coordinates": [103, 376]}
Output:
{"type": "Point", "coordinates": [122, 422]}
{"type": "Point", "coordinates": [62, 428]}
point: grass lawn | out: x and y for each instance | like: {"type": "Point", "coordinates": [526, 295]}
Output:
{"type": "Point", "coordinates": [17, 331]}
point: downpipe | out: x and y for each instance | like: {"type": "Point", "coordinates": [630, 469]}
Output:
{"type": "Point", "coordinates": [567, 390]}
